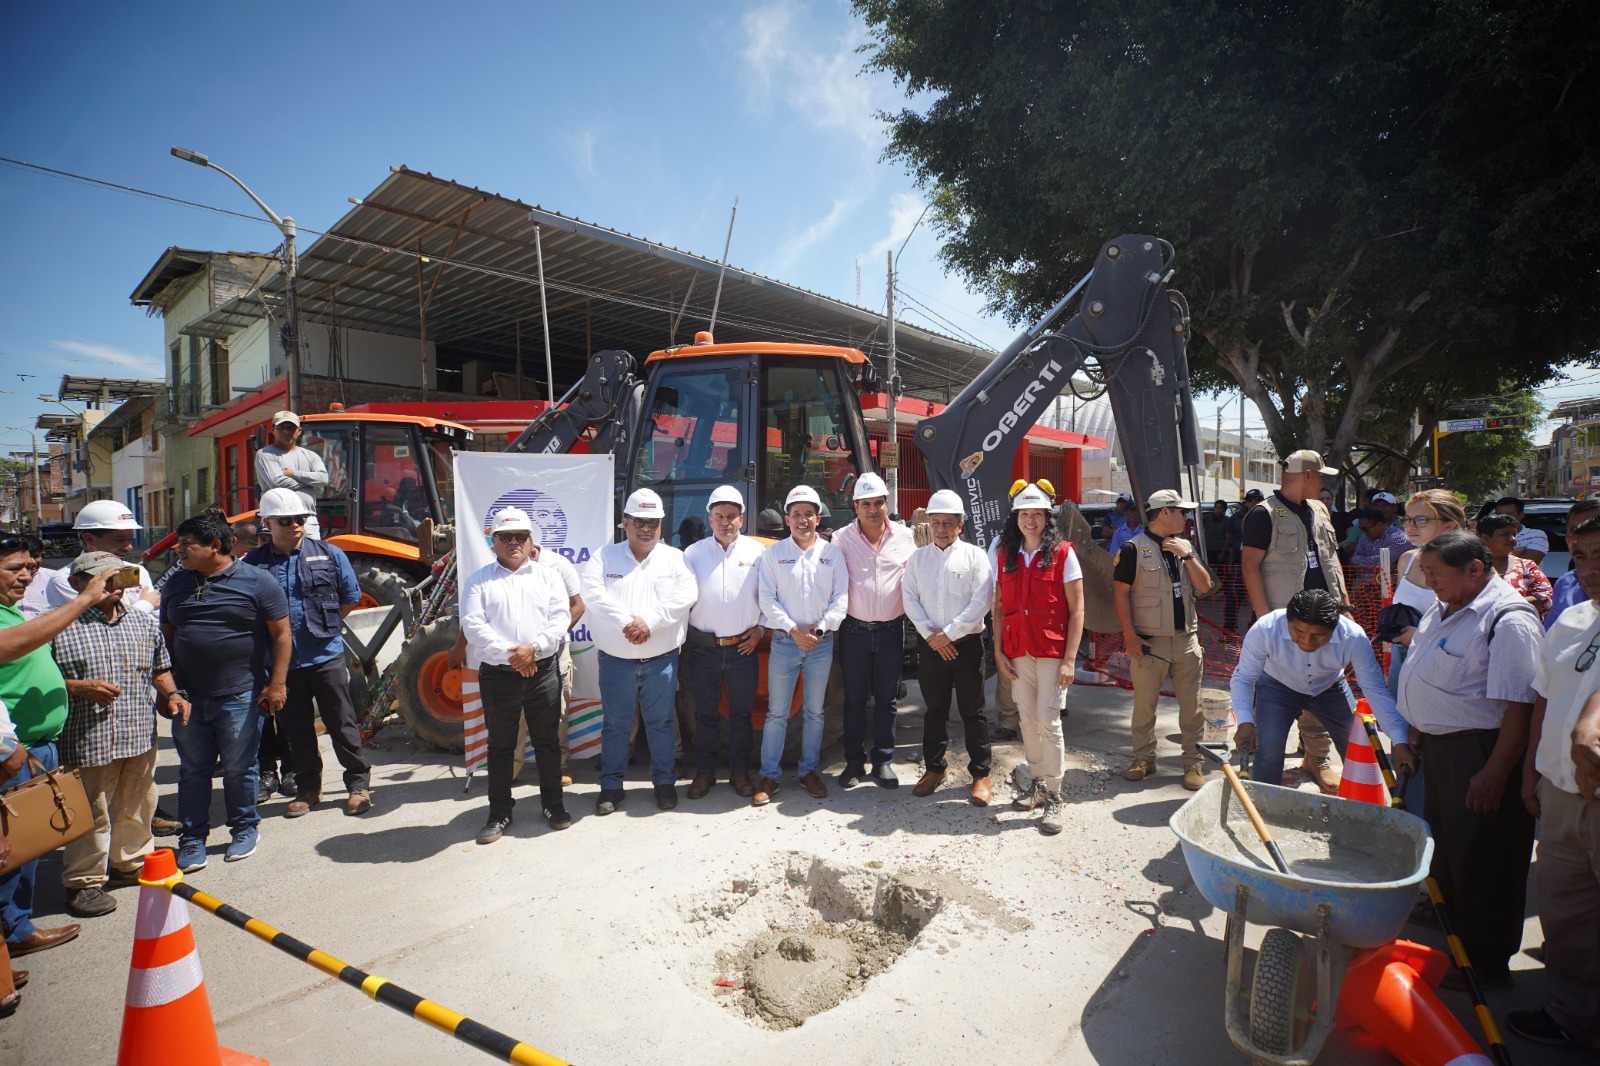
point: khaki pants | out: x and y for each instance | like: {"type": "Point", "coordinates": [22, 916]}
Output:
{"type": "Point", "coordinates": [1039, 703]}
{"type": "Point", "coordinates": [1148, 674]}
{"type": "Point", "coordinates": [122, 802]}
{"type": "Point", "coordinates": [1316, 738]}
{"type": "Point", "coordinates": [1005, 702]}
{"type": "Point", "coordinates": [1567, 886]}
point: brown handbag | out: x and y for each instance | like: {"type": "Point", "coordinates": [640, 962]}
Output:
{"type": "Point", "coordinates": [41, 814]}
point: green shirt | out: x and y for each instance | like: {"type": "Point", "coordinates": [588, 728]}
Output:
{"type": "Point", "coordinates": [33, 689]}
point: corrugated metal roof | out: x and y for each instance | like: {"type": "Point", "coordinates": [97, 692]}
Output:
{"type": "Point", "coordinates": [478, 274]}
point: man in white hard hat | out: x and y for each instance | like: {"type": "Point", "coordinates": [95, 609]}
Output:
{"type": "Point", "coordinates": [515, 616]}
{"type": "Point", "coordinates": [1156, 574]}
{"type": "Point", "coordinates": [719, 656]}
{"type": "Point", "coordinates": [804, 591]}
{"type": "Point", "coordinates": [949, 585]}
{"type": "Point", "coordinates": [103, 526]}
{"type": "Point", "coordinates": [872, 638]}
{"type": "Point", "coordinates": [283, 464]}
{"type": "Point", "coordinates": [321, 588]}
{"type": "Point", "coordinates": [638, 595]}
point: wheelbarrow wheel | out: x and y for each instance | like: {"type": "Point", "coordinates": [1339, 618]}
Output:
{"type": "Point", "coordinates": [1280, 993]}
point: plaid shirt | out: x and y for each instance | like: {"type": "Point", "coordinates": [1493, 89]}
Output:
{"type": "Point", "coordinates": [128, 652]}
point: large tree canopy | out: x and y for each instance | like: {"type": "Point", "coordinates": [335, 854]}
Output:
{"type": "Point", "coordinates": [1374, 203]}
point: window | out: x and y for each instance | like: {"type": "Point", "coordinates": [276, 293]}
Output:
{"type": "Point", "coordinates": [810, 437]}
{"type": "Point", "coordinates": [444, 474]}
{"type": "Point", "coordinates": [693, 430]}
{"type": "Point", "coordinates": [393, 499]}
{"type": "Point", "coordinates": [202, 482]}
{"type": "Point", "coordinates": [220, 393]}
{"type": "Point", "coordinates": [332, 443]}
{"type": "Point", "coordinates": [189, 393]}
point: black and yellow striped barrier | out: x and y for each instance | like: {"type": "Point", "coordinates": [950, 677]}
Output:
{"type": "Point", "coordinates": [1469, 977]}
{"type": "Point", "coordinates": [380, 989]}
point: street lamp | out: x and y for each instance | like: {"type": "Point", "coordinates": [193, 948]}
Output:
{"type": "Point", "coordinates": [291, 339]}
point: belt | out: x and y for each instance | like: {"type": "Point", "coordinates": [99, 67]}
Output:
{"type": "Point", "coordinates": [712, 638]}
{"type": "Point", "coordinates": [857, 623]}
{"type": "Point", "coordinates": [502, 667]}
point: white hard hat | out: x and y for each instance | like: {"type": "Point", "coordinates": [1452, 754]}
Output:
{"type": "Point", "coordinates": [725, 494]}
{"type": "Point", "coordinates": [511, 520]}
{"type": "Point", "coordinates": [868, 487]}
{"type": "Point", "coordinates": [105, 514]}
{"type": "Point", "coordinates": [945, 502]}
{"type": "Point", "coordinates": [281, 503]}
{"type": "Point", "coordinates": [644, 503]}
{"type": "Point", "coordinates": [802, 494]}
{"type": "Point", "coordinates": [1031, 496]}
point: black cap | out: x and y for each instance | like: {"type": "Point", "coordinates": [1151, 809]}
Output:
{"type": "Point", "coordinates": [1254, 494]}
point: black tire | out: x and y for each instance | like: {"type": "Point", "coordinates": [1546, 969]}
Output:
{"type": "Point", "coordinates": [1281, 982]}
{"type": "Point", "coordinates": [385, 581]}
{"type": "Point", "coordinates": [420, 708]}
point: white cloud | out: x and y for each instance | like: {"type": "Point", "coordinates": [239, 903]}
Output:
{"type": "Point", "coordinates": [111, 355]}
{"type": "Point", "coordinates": [904, 210]}
{"type": "Point", "coordinates": [583, 145]}
{"type": "Point", "coordinates": [813, 234]}
{"type": "Point", "coordinates": [821, 82]}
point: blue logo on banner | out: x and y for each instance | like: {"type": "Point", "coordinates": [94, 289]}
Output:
{"type": "Point", "coordinates": [549, 520]}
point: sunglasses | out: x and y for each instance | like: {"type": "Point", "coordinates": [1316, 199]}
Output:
{"type": "Point", "coordinates": [644, 523]}
{"type": "Point", "coordinates": [513, 538]}
{"type": "Point", "coordinates": [290, 520]}
{"type": "Point", "coordinates": [1586, 659]}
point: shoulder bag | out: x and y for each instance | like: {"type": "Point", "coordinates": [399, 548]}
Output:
{"type": "Point", "coordinates": [41, 814]}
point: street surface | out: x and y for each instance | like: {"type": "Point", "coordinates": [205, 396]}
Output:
{"type": "Point", "coordinates": [599, 944]}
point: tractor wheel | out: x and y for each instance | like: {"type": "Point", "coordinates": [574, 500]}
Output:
{"type": "Point", "coordinates": [383, 583]}
{"type": "Point", "coordinates": [429, 689]}
{"type": "Point", "coordinates": [1280, 993]}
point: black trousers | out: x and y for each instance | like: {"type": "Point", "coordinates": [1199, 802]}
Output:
{"type": "Point", "coordinates": [509, 698]}
{"type": "Point", "coordinates": [963, 674]}
{"type": "Point", "coordinates": [711, 670]}
{"type": "Point", "coordinates": [1479, 860]}
{"type": "Point", "coordinates": [328, 686]}
{"type": "Point", "coordinates": [870, 661]}
{"type": "Point", "coordinates": [274, 749]}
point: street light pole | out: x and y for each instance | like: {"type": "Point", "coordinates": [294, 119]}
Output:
{"type": "Point", "coordinates": [291, 264]}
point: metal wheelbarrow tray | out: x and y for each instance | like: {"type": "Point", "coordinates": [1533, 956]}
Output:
{"type": "Point", "coordinates": [1354, 871]}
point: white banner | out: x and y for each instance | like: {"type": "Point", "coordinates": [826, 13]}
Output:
{"type": "Point", "coordinates": [569, 498]}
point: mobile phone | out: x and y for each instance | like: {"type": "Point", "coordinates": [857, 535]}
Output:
{"type": "Point", "coordinates": [126, 578]}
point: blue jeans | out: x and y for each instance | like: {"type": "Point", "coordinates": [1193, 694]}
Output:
{"type": "Point", "coordinates": [228, 727]}
{"type": "Point", "coordinates": [870, 660]}
{"type": "Point", "coordinates": [16, 887]}
{"type": "Point", "coordinates": [785, 664]}
{"type": "Point", "coordinates": [710, 669]}
{"type": "Point", "coordinates": [1277, 707]}
{"type": "Point", "coordinates": [649, 686]}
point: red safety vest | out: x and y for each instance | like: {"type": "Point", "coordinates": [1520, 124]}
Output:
{"type": "Point", "coordinates": [1033, 606]}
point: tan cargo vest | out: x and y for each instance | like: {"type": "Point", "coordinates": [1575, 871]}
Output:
{"type": "Point", "coordinates": [1283, 568]}
{"type": "Point", "coordinates": [1151, 592]}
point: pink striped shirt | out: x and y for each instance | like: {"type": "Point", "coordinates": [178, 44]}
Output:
{"type": "Point", "coordinates": [876, 570]}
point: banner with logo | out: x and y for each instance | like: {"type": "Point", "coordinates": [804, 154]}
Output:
{"type": "Point", "coordinates": [569, 499]}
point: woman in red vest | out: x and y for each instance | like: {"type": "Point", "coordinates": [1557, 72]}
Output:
{"type": "Point", "coordinates": [1038, 625]}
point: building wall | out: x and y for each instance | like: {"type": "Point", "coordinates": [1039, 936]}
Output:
{"type": "Point", "coordinates": [366, 356]}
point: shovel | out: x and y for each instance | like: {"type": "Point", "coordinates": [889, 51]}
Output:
{"type": "Point", "coordinates": [1219, 752]}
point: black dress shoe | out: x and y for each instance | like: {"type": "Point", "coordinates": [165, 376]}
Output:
{"type": "Point", "coordinates": [885, 776]}
{"type": "Point", "coordinates": [494, 828]}
{"type": "Point", "coordinates": [610, 801]}
{"type": "Point", "coordinates": [666, 797]}
{"type": "Point", "coordinates": [852, 774]}
{"type": "Point", "coordinates": [266, 786]}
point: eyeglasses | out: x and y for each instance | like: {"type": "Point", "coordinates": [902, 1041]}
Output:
{"type": "Point", "coordinates": [1586, 659]}
{"type": "Point", "coordinates": [644, 523]}
{"type": "Point", "coordinates": [513, 538]}
{"type": "Point", "coordinates": [1417, 520]}
{"type": "Point", "coordinates": [290, 520]}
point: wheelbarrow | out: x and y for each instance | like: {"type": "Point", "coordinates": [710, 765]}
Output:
{"type": "Point", "coordinates": [1353, 874]}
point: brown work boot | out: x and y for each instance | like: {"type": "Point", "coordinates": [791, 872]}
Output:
{"type": "Point", "coordinates": [701, 785]}
{"type": "Point", "coordinates": [1194, 777]}
{"type": "Point", "coordinates": [980, 792]}
{"type": "Point", "coordinates": [742, 785]}
{"type": "Point", "coordinates": [814, 784]}
{"type": "Point", "coordinates": [765, 790]}
{"type": "Point", "coordinates": [928, 783]}
{"type": "Point", "coordinates": [360, 801]}
{"type": "Point", "coordinates": [1139, 769]}
{"type": "Point", "coordinates": [302, 803]}
{"type": "Point", "coordinates": [1321, 773]}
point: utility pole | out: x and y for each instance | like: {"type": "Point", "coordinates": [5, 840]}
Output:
{"type": "Point", "coordinates": [1244, 452]}
{"type": "Point", "coordinates": [716, 301]}
{"type": "Point", "coordinates": [891, 456]}
{"type": "Point", "coordinates": [1218, 478]}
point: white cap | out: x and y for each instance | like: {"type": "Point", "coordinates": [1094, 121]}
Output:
{"type": "Point", "coordinates": [281, 503]}
{"type": "Point", "coordinates": [1031, 496]}
{"type": "Point", "coordinates": [280, 417]}
{"type": "Point", "coordinates": [802, 494]}
{"type": "Point", "coordinates": [725, 494]}
{"type": "Point", "coordinates": [1384, 497]}
{"type": "Point", "coordinates": [869, 487]}
{"type": "Point", "coordinates": [1168, 498]}
{"type": "Point", "coordinates": [644, 503]}
{"type": "Point", "coordinates": [511, 520]}
{"type": "Point", "coordinates": [105, 514]}
{"type": "Point", "coordinates": [945, 502]}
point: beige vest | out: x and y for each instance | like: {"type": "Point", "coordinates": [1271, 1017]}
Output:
{"type": "Point", "coordinates": [1283, 568]}
{"type": "Point", "coordinates": [1151, 592]}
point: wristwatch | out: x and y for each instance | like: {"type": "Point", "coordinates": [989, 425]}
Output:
{"type": "Point", "coordinates": [1185, 558]}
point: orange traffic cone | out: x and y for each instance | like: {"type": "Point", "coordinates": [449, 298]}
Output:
{"type": "Point", "coordinates": [1388, 992]}
{"type": "Point", "coordinates": [1362, 779]}
{"type": "Point", "coordinates": [167, 1017]}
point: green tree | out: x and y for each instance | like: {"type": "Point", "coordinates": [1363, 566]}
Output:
{"type": "Point", "coordinates": [1374, 204]}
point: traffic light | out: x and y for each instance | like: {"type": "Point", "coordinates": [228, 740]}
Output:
{"type": "Point", "coordinates": [1506, 422]}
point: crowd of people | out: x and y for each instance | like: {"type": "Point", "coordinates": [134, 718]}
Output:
{"type": "Point", "coordinates": [1488, 698]}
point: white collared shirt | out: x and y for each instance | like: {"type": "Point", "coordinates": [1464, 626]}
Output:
{"type": "Point", "coordinates": [1565, 689]}
{"type": "Point", "coordinates": [504, 609]}
{"type": "Point", "coordinates": [618, 588]}
{"type": "Point", "coordinates": [1269, 649]}
{"type": "Point", "coordinates": [729, 585]}
{"type": "Point", "coordinates": [810, 588]}
{"type": "Point", "coordinates": [948, 589]}
{"type": "Point", "coordinates": [1455, 678]}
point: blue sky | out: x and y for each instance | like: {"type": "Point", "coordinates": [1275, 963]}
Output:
{"type": "Point", "coordinates": [649, 118]}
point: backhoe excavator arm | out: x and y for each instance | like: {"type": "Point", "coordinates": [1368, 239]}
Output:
{"type": "Point", "coordinates": [605, 400]}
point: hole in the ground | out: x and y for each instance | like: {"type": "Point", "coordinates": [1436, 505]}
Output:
{"type": "Point", "coordinates": [803, 934]}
